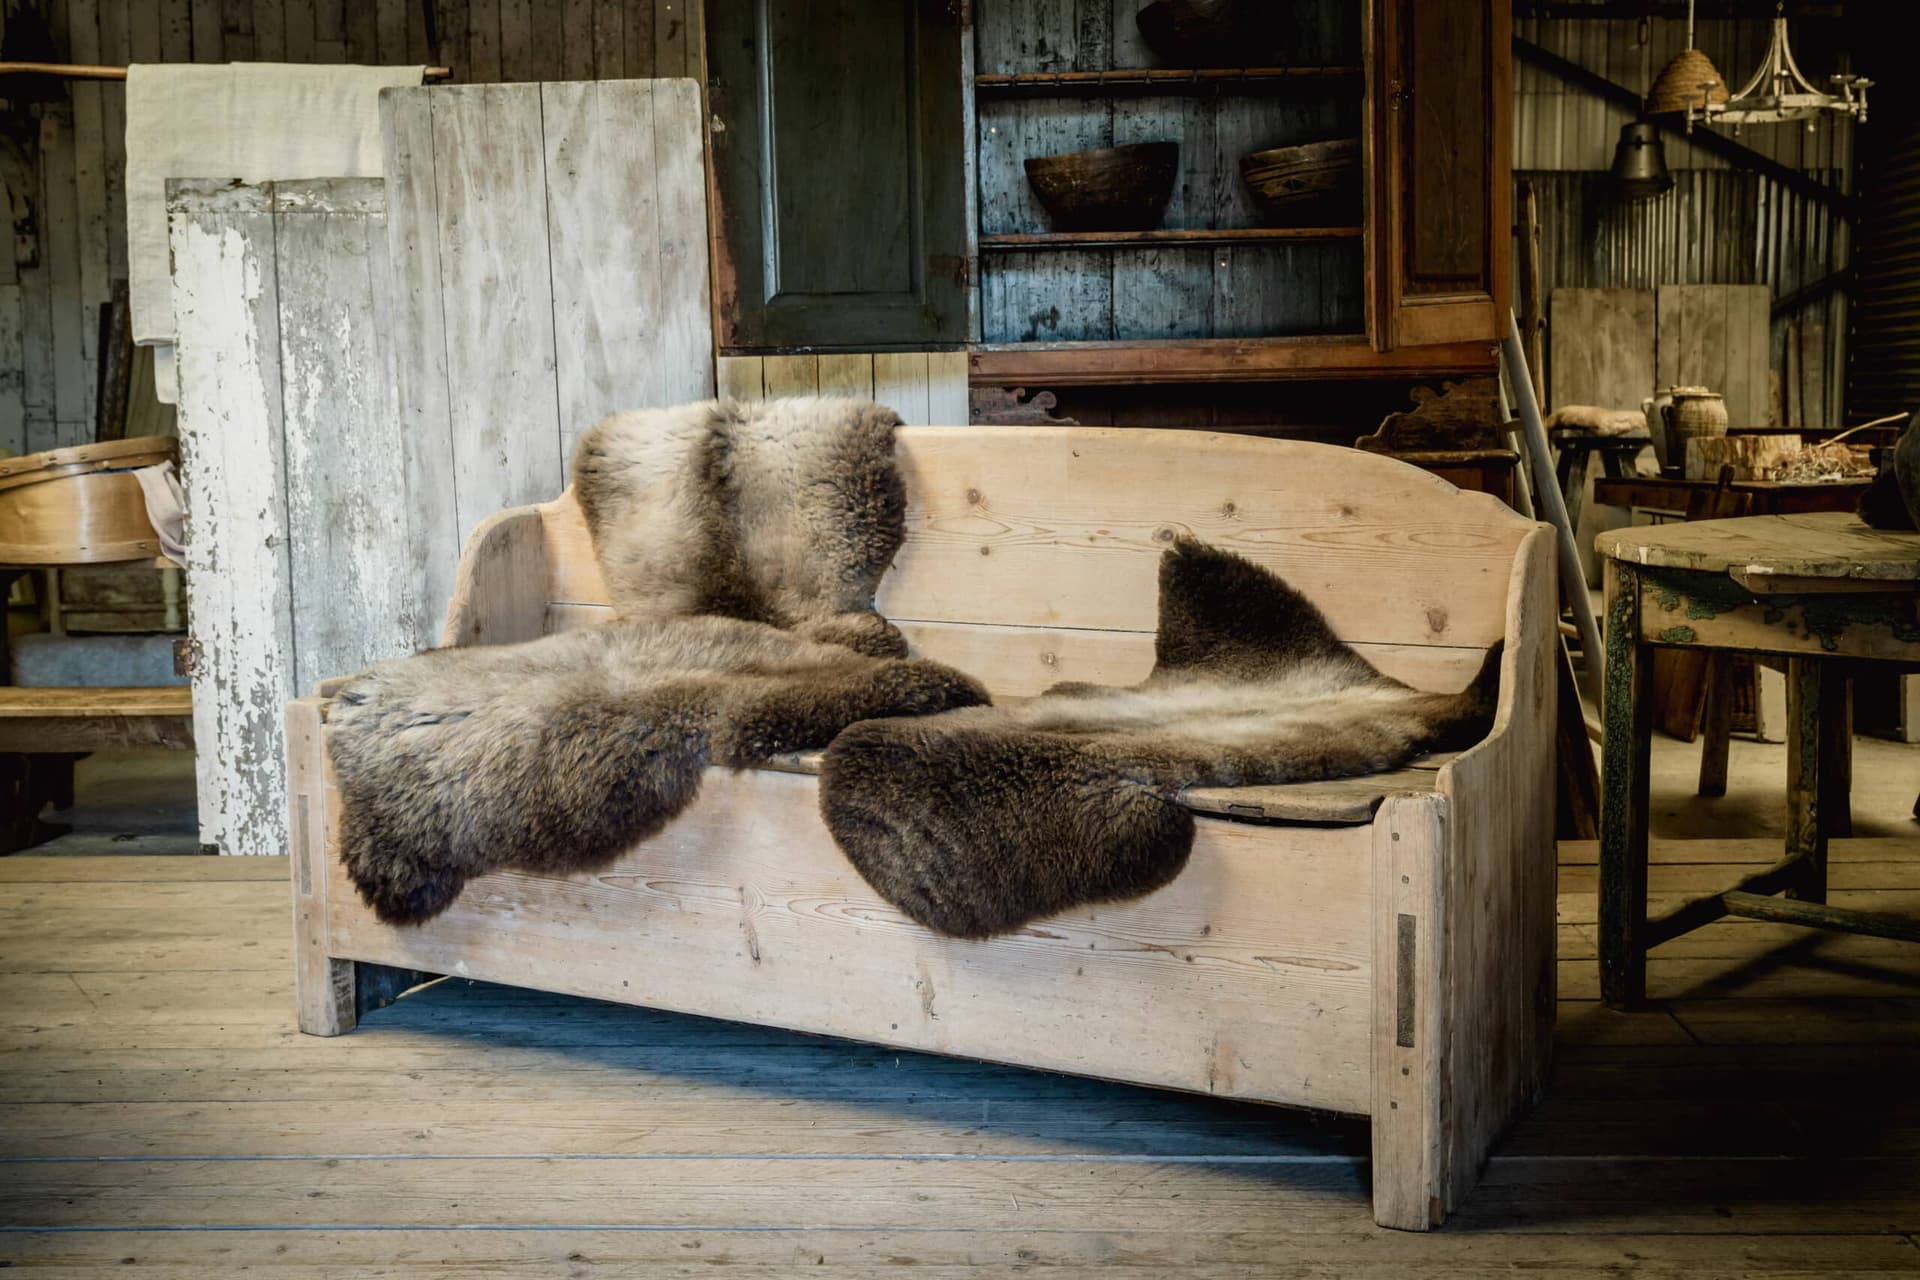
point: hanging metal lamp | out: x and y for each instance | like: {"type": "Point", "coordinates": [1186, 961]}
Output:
{"type": "Point", "coordinates": [1640, 162]}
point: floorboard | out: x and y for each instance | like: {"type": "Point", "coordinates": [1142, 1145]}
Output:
{"type": "Point", "coordinates": [159, 1113]}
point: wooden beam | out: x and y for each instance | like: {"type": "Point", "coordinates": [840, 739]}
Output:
{"type": "Point", "coordinates": [1701, 136]}
{"type": "Point", "coordinates": [1835, 282]}
{"type": "Point", "coordinates": [1616, 10]}
{"type": "Point", "coordinates": [1057, 364]}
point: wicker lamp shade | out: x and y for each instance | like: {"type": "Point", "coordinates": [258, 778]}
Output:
{"type": "Point", "coordinates": [1679, 85]}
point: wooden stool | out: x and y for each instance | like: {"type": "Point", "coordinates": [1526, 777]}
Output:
{"type": "Point", "coordinates": [1576, 449]}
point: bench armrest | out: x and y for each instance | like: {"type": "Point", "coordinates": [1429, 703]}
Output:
{"type": "Point", "coordinates": [500, 591]}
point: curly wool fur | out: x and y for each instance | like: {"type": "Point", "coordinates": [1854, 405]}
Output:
{"type": "Point", "coordinates": [779, 511]}
{"type": "Point", "coordinates": [978, 821]}
{"type": "Point", "coordinates": [556, 754]}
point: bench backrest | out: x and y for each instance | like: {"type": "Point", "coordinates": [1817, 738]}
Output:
{"type": "Point", "coordinates": [1032, 552]}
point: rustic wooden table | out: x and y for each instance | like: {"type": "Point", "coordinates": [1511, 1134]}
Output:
{"type": "Point", "coordinates": [1821, 589]}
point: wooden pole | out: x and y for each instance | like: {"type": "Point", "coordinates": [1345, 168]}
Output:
{"type": "Point", "coordinates": [1533, 320]}
{"type": "Point", "coordinates": [1548, 499]}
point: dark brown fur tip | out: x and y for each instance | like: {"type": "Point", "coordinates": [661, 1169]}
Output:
{"type": "Point", "coordinates": [1222, 611]}
{"type": "Point", "coordinates": [974, 834]}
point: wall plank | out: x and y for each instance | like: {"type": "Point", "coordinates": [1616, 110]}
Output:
{"type": "Point", "coordinates": [497, 297]}
{"type": "Point", "coordinates": [226, 306]}
{"type": "Point", "coordinates": [519, 39]}
{"type": "Point", "coordinates": [847, 375]}
{"type": "Point", "coordinates": [352, 590]}
{"type": "Point", "coordinates": [629, 293]}
{"type": "Point", "coordinates": [419, 349]}
{"type": "Point", "coordinates": [900, 383]}
{"type": "Point", "coordinates": [1602, 347]}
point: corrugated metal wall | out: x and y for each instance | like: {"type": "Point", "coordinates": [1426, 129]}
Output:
{"type": "Point", "coordinates": [1719, 224]}
{"type": "Point", "coordinates": [1885, 377]}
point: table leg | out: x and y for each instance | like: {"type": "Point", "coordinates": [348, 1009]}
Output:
{"type": "Point", "coordinates": [1625, 750]}
{"type": "Point", "coordinates": [1573, 485]}
{"type": "Point", "coordinates": [1836, 758]}
{"type": "Point", "coordinates": [1819, 742]}
{"type": "Point", "coordinates": [1716, 726]}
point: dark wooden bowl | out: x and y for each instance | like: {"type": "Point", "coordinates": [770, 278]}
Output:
{"type": "Point", "coordinates": [1212, 33]}
{"type": "Point", "coordinates": [1319, 181]}
{"type": "Point", "coordinates": [1112, 189]}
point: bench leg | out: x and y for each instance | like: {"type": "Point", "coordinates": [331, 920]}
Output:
{"type": "Point", "coordinates": [1409, 1011]}
{"type": "Point", "coordinates": [324, 988]}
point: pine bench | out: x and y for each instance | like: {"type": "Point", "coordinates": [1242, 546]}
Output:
{"type": "Point", "coordinates": [1379, 947]}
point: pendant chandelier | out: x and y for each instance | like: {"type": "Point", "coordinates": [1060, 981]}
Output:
{"type": "Point", "coordinates": [1690, 87]}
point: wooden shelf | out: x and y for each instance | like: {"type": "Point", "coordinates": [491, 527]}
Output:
{"type": "Point", "coordinates": [1338, 358]}
{"type": "Point", "coordinates": [1152, 239]}
{"type": "Point", "coordinates": [1157, 80]}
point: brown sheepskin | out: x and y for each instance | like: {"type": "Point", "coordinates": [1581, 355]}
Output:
{"type": "Point", "coordinates": [978, 821]}
{"type": "Point", "coordinates": [741, 545]}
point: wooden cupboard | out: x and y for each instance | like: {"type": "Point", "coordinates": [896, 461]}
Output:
{"type": "Point", "coordinates": [1412, 284]}
{"type": "Point", "coordinates": [837, 153]}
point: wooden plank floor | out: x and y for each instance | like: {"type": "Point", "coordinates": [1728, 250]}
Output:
{"type": "Point", "coordinates": [158, 1110]}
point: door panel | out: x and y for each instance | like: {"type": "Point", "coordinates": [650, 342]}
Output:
{"type": "Point", "coordinates": [838, 172]}
{"type": "Point", "coordinates": [1442, 170]}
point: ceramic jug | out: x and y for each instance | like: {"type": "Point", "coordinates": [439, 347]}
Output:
{"type": "Point", "coordinates": [1695, 411]}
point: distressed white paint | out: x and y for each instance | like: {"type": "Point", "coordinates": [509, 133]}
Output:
{"type": "Point", "coordinates": [237, 579]}
{"type": "Point", "coordinates": [353, 602]}
{"type": "Point", "coordinates": [297, 508]}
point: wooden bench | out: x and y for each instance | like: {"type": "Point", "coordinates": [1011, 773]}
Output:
{"type": "Point", "coordinates": [1393, 960]}
{"type": "Point", "coordinates": [36, 721]}
{"type": "Point", "coordinates": [43, 730]}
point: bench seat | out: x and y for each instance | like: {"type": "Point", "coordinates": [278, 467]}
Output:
{"type": "Point", "coordinates": [1378, 946]}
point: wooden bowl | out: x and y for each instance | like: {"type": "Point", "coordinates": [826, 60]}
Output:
{"type": "Point", "coordinates": [80, 505]}
{"type": "Point", "coordinates": [1319, 181]}
{"type": "Point", "coordinates": [1212, 33]}
{"type": "Point", "coordinates": [1111, 189]}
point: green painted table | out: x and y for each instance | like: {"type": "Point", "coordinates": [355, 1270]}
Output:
{"type": "Point", "coordinates": [1824, 591]}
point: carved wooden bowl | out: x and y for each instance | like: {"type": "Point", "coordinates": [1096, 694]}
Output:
{"type": "Point", "coordinates": [1111, 189]}
{"type": "Point", "coordinates": [1317, 182]}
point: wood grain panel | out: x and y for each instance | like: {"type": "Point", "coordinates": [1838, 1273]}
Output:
{"type": "Point", "coordinates": [496, 295]}
{"type": "Point", "coordinates": [1215, 1009]}
{"type": "Point", "coordinates": [1020, 526]}
{"type": "Point", "coordinates": [352, 586]}
{"type": "Point", "coordinates": [1601, 348]}
{"type": "Point", "coordinates": [1015, 526]}
{"type": "Point", "coordinates": [630, 293]}
{"type": "Point", "coordinates": [417, 346]}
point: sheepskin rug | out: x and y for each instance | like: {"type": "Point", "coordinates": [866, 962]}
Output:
{"type": "Point", "coordinates": [741, 544]}
{"type": "Point", "coordinates": [977, 821]}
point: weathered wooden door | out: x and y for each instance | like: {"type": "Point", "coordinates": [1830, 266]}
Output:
{"type": "Point", "coordinates": [837, 148]}
{"type": "Point", "coordinates": [1442, 113]}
